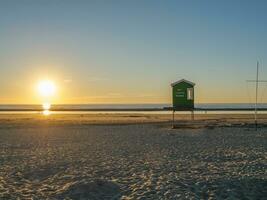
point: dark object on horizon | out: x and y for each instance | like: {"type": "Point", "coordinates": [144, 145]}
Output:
{"type": "Point", "coordinates": [183, 95]}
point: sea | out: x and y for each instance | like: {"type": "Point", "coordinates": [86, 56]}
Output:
{"type": "Point", "coordinates": [105, 108]}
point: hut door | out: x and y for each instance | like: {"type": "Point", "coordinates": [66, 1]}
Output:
{"type": "Point", "coordinates": [190, 94]}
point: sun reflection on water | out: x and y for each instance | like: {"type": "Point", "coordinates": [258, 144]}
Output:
{"type": "Point", "coordinates": [46, 107]}
{"type": "Point", "coordinates": [46, 112]}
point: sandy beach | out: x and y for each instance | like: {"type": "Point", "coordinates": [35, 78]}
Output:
{"type": "Point", "coordinates": [132, 156]}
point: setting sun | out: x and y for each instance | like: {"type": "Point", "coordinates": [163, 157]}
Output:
{"type": "Point", "coordinates": [46, 88]}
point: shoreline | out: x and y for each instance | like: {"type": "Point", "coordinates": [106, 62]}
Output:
{"type": "Point", "coordinates": [181, 120]}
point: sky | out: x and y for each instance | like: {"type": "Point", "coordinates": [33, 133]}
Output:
{"type": "Point", "coordinates": [131, 51]}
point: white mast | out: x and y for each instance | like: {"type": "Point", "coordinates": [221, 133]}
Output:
{"type": "Point", "coordinates": [257, 81]}
{"type": "Point", "coordinates": [256, 98]}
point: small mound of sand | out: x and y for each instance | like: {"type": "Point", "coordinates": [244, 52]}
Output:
{"type": "Point", "coordinates": [40, 174]}
{"type": "Point", "coordinates": [97, 189]}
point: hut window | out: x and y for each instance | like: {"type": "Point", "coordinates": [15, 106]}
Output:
{"type": "Point", "coordinates": [190, 95]}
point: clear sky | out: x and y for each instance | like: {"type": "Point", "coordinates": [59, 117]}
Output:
{"type": "Point", "coordinates": [130, 51]}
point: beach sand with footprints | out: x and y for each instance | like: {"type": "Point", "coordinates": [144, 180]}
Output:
{"type": "Point", "coordinates": [132, 156]}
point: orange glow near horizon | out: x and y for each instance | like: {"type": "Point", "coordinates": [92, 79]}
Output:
{"type": "Point", "coordinates": [51, 88]}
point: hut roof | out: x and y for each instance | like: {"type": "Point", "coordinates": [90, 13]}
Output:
{"type": "Point", "coordinates": [182, 80]}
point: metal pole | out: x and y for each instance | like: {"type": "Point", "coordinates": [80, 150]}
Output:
{"type": "Point", "coordinates": [256, 100]}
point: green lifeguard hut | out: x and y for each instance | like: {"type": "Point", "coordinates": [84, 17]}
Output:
{"type": "Point", "coordinates": [183, 95]}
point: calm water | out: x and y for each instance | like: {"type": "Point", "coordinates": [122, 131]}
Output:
{"type": "Point", "coordinates": [128, 106]}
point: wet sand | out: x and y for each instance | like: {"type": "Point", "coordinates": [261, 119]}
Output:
{"type": "Point", "coordinates": [132, 156]}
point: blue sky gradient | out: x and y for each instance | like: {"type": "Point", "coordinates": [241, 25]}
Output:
{"type": "Point", "coordinates": [130, 51]}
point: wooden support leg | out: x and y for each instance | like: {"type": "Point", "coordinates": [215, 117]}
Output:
{"type": "Point", "coordinates": [173, 119]}
{"type": "Point", "coordinates": [192, 115]}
